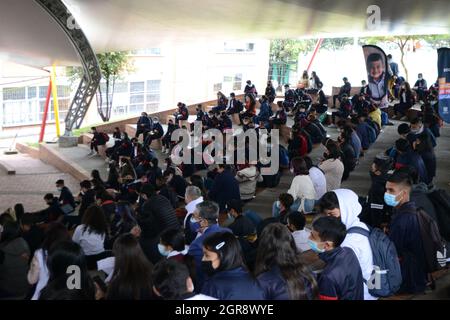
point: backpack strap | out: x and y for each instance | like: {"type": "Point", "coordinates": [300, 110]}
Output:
{"type": "Point", "coordinates": [359, 230]}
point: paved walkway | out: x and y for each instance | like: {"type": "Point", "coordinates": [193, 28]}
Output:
{"type": "Point", "coordinates": [32, 181]}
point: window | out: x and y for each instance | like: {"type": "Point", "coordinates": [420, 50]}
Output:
{"type": "Point", "coordinates": [217, 87]}
{"type": "Point", "coordinates": [238, 46]}
{"type": "Point", "coordinates": [147, 52]}
{"type": "Point", "coordinates": [237, 84]}
{"type": "Point", "coordinates": [25, 105]}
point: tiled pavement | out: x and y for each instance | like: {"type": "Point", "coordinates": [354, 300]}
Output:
{"type": "Point", "coordinates": [32, 181]}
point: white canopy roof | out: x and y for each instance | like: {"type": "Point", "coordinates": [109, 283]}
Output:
{"type": "Point", "coordinates": [29, 36]}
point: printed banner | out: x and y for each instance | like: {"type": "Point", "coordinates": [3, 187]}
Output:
{"type": "Point", "coordinates": [377, 75]}
{"type": "Point", "coordinates": [444, 83]}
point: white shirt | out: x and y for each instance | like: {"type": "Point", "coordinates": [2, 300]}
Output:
{"type": "Point", "coordinates": [201, 297]}
{"type": "Point", "coordinates": [302, 188]}
{"type": "Point", "coordinates": [107, 265]}
{"type": "Point", "coordinates": [319, 181]}
{"type": "Point", "coordinates": [92, 243]}
{"type": "Point", "coordinates": [301, 239]}
{"type": "Point", "coordinates": [43, 273]}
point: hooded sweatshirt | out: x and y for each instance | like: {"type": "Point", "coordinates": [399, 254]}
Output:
{"type": "Point", "coordinates": [350, 209]}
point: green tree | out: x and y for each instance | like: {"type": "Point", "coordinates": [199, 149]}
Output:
{"type": "Point", "coordinates": [113, 66]}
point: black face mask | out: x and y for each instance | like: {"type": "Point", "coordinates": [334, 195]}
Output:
{"type": "Point", "coordinates": [207, 268]}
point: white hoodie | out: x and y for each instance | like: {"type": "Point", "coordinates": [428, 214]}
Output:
{"type": "Point", "coordinates": [350, 209]}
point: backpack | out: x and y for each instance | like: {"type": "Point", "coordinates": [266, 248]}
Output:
{"type": "Point", "coordinates": [105, 136]}
{"type": "Point", "coordinates": [387, 273]}
{"type": "Point", "coordinates": [441, 201]}
{"type": "Point", "coordinates": [431, 240]}
{"type": "Point", "coordinates": [303, 149]}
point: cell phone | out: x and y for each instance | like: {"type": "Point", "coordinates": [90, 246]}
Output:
{"type": "Point", "coordinates": [102, 285]}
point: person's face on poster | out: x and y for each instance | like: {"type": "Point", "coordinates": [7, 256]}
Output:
{"type": "Point", "coordinates": [376, 69]}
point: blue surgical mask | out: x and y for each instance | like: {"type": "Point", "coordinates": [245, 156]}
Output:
{"type": "Point", "coordinates": [162, 250]}
{"type": "Point", "coordinates": [390, 200]}
{"type": "Point", "coordinates": [314, 247]}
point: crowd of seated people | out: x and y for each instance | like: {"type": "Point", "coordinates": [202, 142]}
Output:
{"type": "Point", "coordinates": [165, 231]}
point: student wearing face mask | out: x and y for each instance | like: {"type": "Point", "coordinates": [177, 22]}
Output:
{"type": "Point", "coordinates": [341, 279]}
{"type": "Point", "coordinates": [417, 128]}
{"type": "Point", "coordinates": [207, 215]}
{"type": "Point", "coordinates": [227, 275]}
{"type": "Point", "coordinates": [404, 232]}
{"type": "Point", "coordinates": [421, 87]}
{"type": "Point", "coordinates": [344, 204]}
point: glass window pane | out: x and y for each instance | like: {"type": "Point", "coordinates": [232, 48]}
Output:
{"type": "Point", "coordinates": [14, 93]}
{"type": "Point", "coordinates": [153, 85]}
{"type": "Point", "coordinates": [153, 97]}
{"type": "Point", "coordinates": [137, 86]}
{"type": "Point", "coordinates": [43, 92]}
{"type": "Point", "coordinates": [136, 98]}
{"type": "Point", "coordinates": [31, 92]}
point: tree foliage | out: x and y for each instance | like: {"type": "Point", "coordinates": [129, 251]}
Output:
{"type": "Point", "coordinates": [113, 66]}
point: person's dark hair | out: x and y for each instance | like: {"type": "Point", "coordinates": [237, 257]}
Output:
{"type": "Point", "coordinates": [174, 238]}
{"type": "Point", "coordinates": [425, 144]}
{"type": "Point", "coordinates": [95, 175]}
{"type": "Point", "coordinates": [227, 248]}
{"type": "Point", "coordinates": [148, 190]}
{"type": "Point", "coordinates": [56, 232]}
{"type": "Point", "coordinates": [286, 200]}
{"type": "Point", "coordinates": [345, 79]}
{"type": "Point", "coordinates": [19, 211]}
{"type": "Point", "coordinates": [197, 180]}
{"type": "Point", "coordinates": [297, 219]}
{"type": "Point", "coordinates": [11, 231]}
{"type": "Point", "coordinates": [60, 181]}
{"type": "Point", "coordinates": [402, 145]}
{"type": "Point", "coordinates": [389, 56]}
{"type": "Point", "coordinates": [235, 204]}
{"type": "Point", "coordinates": [330, 229]}
{"type": "Point", "coordinates": [208, 210]}
{"type": "Point", "coordinates": [48, 196]}
{"type": "Point", "coordinates": [383, 163]}
{"type": "Point", "coordinates": [86, 184]}
{"type": "Point", "coordinates": [401, 176]}
{"type": "Point", "coordinates": [412, 172]}
{"type": "Point", "coordinates": [169, 278]}
{"type": "Point", "coordinates": [403, 128]}
{"type": "Point", "coordinates": [374, 57]}
{"type": "Point", "coordinates": [93, 128]}
{"type": "Point", "coordinates": [416, 120]}
{"type": "Point", "coordinates": [277, 249]}
{"type": "Point", "coordinates": [334, 152]}
{"type": "Point", "coordinates": [329, 201]}
{"type": "Point", "coordinates": [299, 166]}
{"type": "Point", "coordinates": [308, 161]}
{"type": "Point", "coordinates": [94, 220]}
{"type": "Point", "coordinates": [155, 162]}
{"type": "Point", "coordinates": [113, 175]}
{"type": "Point", "coordinates": [63, 255]}
{"type": "Point", "coordinates": [132, 277]}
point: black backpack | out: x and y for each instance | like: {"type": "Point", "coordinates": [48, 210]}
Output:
{"type": "Point", "coordinates": [441, 201]}
{"type": "Point", "coordinates": [431, 240]}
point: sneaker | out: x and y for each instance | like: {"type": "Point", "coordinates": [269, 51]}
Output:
{"type": "Point", "coordinates": [90, 153]}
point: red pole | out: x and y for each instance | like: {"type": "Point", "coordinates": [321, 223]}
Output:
{"type": "Point", "coordinates": [44, 117]}
{"type": "Point", "coordinates": [316, 49]}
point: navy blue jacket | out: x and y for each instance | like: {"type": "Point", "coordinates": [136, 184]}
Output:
{"type": "Point", "coordinates": [404, 232]}
{"type": "Point", "coordinates": [144, 123]}
{"type": "Point", "coordinates": [363, 133]}
{"type": "Point", "coordinates": [66, 197]}
{"type": "Point", "coordinates": [225, 188]}
{"type": "Point", "coordinates": [341, 279]}
{"type": "Point", "coordinates": [264, 112]}
{"type": "Point", "coordinates": [196, 251]}
{"type": "Point", "coordinates": [234, 284]}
